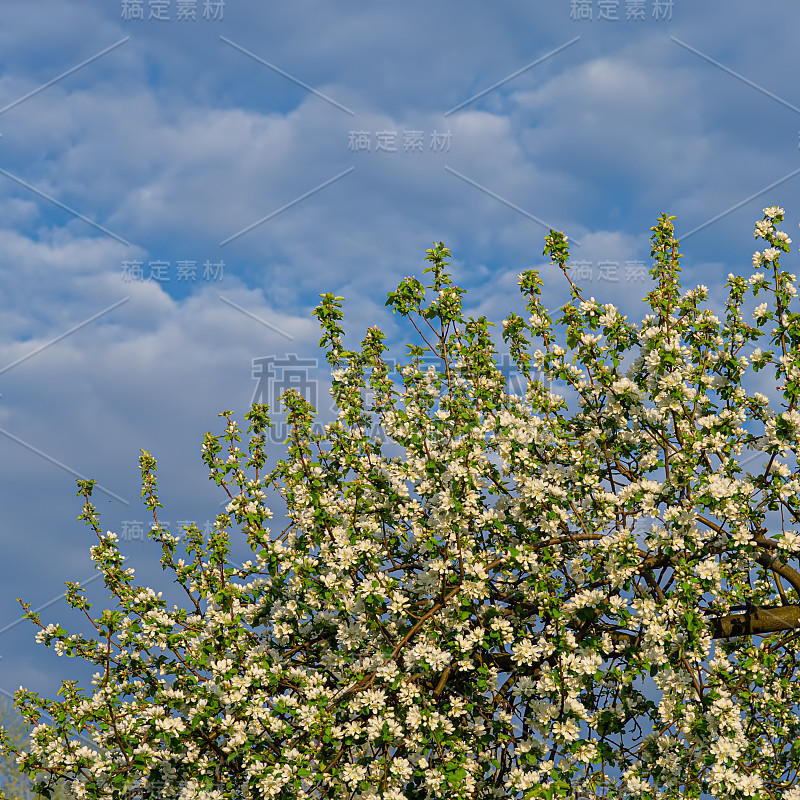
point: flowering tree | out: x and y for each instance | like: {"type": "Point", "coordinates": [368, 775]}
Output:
{"type": "Point", "coordinates": [15, 785]}
{"type": "Point", "coordinates": [485, 615]}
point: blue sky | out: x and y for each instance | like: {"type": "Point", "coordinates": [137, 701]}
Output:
{"type": "Point", "coordinates": [235, 142]}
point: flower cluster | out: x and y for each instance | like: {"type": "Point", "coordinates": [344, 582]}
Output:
{"type": "Point", "coordinates": [479, 617]}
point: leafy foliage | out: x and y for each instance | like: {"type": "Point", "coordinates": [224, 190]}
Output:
{"type": "Point", "coordinates": [483, 615]}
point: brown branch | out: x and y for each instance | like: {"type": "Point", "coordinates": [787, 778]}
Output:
{"type": "Point", "coordinates": [442, 681]}
{"type": "Point", "coordinates": [777, 579]}
{"type": "Point", "coordinates": [776, 565]}
{"type": "Point", "coordinates": [756, 622]}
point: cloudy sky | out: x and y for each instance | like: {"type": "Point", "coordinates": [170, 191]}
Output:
{"type": "Point", "coordinates": [180, 181]}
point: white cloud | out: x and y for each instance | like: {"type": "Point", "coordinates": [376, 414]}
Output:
{"type": "Point", "coordinates": [175, 141]}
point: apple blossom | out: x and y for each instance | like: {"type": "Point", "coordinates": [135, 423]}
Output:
{"type": "Point", "coordinates": [583, 556]}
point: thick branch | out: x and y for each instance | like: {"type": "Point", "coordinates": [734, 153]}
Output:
{"type": "Point", "coordinates": [774, 563]}
{"type": "Point", "coordinates": [757, 621]}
